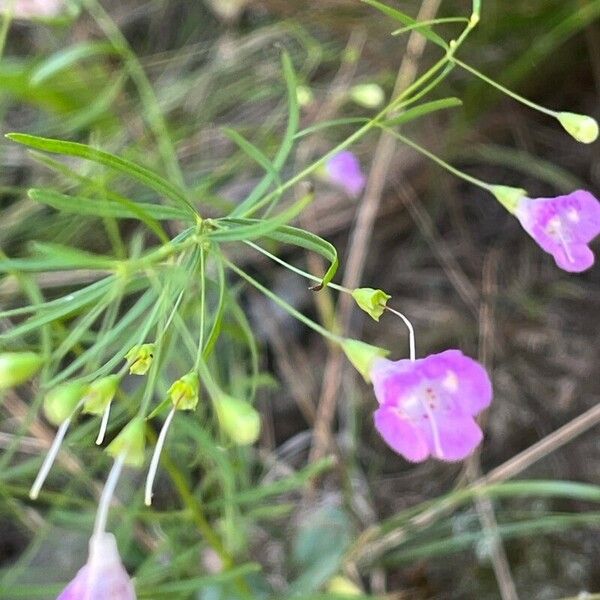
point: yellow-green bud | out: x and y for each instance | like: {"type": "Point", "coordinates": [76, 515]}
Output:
{"type": "Point", "coordinates": [362, 355]}
{"type": "Point", "coordinates": [304, 95]}
{"type": "Point", "coordinates": [60, 402]}
{"type": "Point", "coordinates": [140, 358]}
{"type": "Point", "coordinates": [184, 392]}
{"type": "Point", "coordinates": [371, 301]}
{"type": "Point", "coordinates": [581, 127]}
{"type": "Point", "coordinates": [100, 394]}
{"type": "Point", "coordinates": [508, 196]}
{"type": "Point", "coordinates": [368, 95]}
{"type": "Point", "coordinates": [18, 367]}
{"type": "Point", "coordinates": [238, 419]}
{"type": "Point", "coordinates": [132, 441]}
{"type": "Point", "coordinates": [343, 586]}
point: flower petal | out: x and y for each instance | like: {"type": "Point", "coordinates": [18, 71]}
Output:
{"type": "Point", "coordinates": [400, 434]}
{"type": "Point", "coordinates": [578, 258]}
{"type": "Point", "coordinates": [452, 438]}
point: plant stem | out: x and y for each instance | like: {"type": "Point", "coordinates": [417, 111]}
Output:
{"type": "Point", "coordinates": [283, 263]}
{"type": "Point", "coordinates": [283, 304]}
{"type": "Point", "coordinates": [505, 90]}
{"type": "Point", "coordinates": [439, 161]}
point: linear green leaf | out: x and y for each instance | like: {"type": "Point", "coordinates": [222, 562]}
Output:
{"type": "Point", "coordinates": [406, 20]}
{"type": "Point", "coordinates": [106, 207]}
{"type": "Point", "coordinates": [141, 174]}
{"type": "Point", "coordinates": [423, 109]}
{"type": "Point", "coordinates": [64, 59]}
{"type": "Point", "coordinates": [253, 152]}
{"type": "Point", "coordinates": [255, 228]}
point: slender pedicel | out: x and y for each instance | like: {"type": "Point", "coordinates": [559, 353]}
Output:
{"type": "Point", "coordinates": [49, 460]}
{"type": "Point", "coordinates": [411, 333]}
{"type": "Point", "coordinates": [156, 457]}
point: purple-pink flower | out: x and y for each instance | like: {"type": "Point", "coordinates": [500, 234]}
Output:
{"type": "Point", "coordinates": [343, 169]}
{"type": "Point", "coordinates": [563, 226]}
{"type": "Point", "coordinates": [103, 577]}
{"type": "Point", "coordinates": [427, 406]}
{"type": "Point", "coordinates": [27, 9]}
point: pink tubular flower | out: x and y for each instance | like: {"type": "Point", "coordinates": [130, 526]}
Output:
{"type": "Point", "coordinates": [103, 577]}
{"type": "Point", "coordinates": [563, 226]}
{"type": "Point", "coordinates": [427, 406]}
{"type": "Point", "coordinates": [343, 169]}
{"type": "Point", "coordinates": [28, 9]}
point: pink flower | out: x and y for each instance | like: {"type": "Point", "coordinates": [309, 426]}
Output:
{"type": "Point", "coordinates": [563, 226]}
{"type": "Point", "coordinates": [343, 169]}
{"type": "Point", "coordinates": [27, 9]}
{"type": "Point", "coordinates": [103, 577]}
{"type": "Point", "coordinates": [427, 406]}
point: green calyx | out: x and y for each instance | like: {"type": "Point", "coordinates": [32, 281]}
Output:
{"type": "Point", "coordinates": [508, 196]}
{"type": "Point", "coordinates": [184, 393]}
{"type": "Point", "coordinates": [131, 441]}
{"type": "Point", "coordinates": [362, 355]}
{"type": "Point", "coordinates": [372, 301]}
{"type": "Point", "coordinates": [140, 358]}
{"type": "Point", "coordinates": [100, 394]}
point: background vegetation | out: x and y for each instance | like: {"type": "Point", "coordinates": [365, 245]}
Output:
{"type": "Point", "coordinates": [313, 501]}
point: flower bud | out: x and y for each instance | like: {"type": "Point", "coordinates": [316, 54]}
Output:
{"type": "Point", "coordinates": [61, 401]}
{"type": "Point", "coordinates": [140, 358]}
{"type": "Point", "coordinates": [508, 196]}
{"type": "Point", "coordinates": [581, 127]}
{"type": "Point", "coordinates": [132, 441]}
{"type": "Point", "coordinates": [184, 392]}
{"type": "Point", "coordinates": [371, 301]}
{"type": "Point", "coordinates": [100, 394]}
{"type": "Point", "coordinates": [304, 95]}
{"type": "Point", "coordinates": [103, 577]}
{"type": "Point", "coordinates": [18, 367]}
{"type": "Point", "coordinates": [368, 95]}
{"type": "Point", "coordinates": [362, 355]}
{"type": "Point", "coordinates": [238, 419]}
{"type": "Point", "coordinates": [343, 586]}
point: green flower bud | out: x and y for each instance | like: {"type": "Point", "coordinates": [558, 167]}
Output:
{"type": "Point", "coordinates": [61, 401]}
{"type": "Point", "coordinates": [362, 355]}
{"type": "Point", "coordinates": [343, 586]}
{"type": "Point", "coordinates": [238, 419]}
{"type": "Point", "coordinates": [508, 196]}
{"type": "Point", "coordinates": [371, 301]}
{"type": "Point", "coordinates": [368, 95]}
{"type": "Point", "coordinates": [581, 127]}
{"type": "Point", "coordinates": [184, 392]}
{"type": "Point", "coordinates": [18, 367]}
{"type": "Point", "coordinates": [140, 358]}
{"type": "Point", "coordinates": [132, 441]}
{"type": "Point", "coordinates": [304, 95]}
{"type": "Point", "coordinates": [100, 394]}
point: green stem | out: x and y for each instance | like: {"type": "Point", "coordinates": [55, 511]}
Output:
{"type": "Point", "coordinates": [439, 161]}
{"type": "Point", "coordinates": [421, 24]}
{"type": "Point", "coordinates": [505, 90]}
{"type": "Point", "coordinates": [283, 263]}
{"type": "Point", "coordinates": [288, 308]}
{"type": "Point", "coordinates": [202, 309]}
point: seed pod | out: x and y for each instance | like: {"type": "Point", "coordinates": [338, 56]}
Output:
{"type": "Point", "coordinates": [18, 367]}
{"type": "Point", "coordinates": [238, 419]}
{"type": "Point", "coordinates": [60, 402]}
